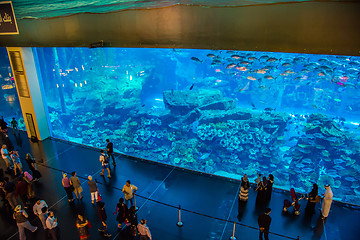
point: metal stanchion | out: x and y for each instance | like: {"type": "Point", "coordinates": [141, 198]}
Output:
{"type": "Point", "coordinates": [180, 223]}
{"type": "Point", "coordinates": [233, 235]}
{"type": "Point", "coordinates": [298, 238]}
{"type": "Point", "coordinates": [136, 208]}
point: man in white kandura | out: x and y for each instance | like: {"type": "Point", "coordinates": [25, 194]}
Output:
{"type": "Point", "coordinates": [327, 200]}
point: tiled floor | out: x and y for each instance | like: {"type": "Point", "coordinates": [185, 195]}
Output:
{"type": "Point", "coordinates": [193, 191]}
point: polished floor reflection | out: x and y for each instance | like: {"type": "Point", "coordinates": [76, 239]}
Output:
{"type": "Point", "coordinates": [200, 193]}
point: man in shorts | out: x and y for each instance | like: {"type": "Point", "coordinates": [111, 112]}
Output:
{"type": "Point", "coordinates": [104, 163]}
{"type": "Point", "coordinates": [5, 155]}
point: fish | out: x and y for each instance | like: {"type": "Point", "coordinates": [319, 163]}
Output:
{"type": "Point", "coordinates": [252, 58]}
{"type": "Point", "coordinates": [269, 109]}
{"type": "Point", "coordinates": [143, 105]}
{"type": "Point", "coordinates": [261, 71]}
{"type": "Point", "coordinates": [253, 105]}
{"type": "Point", "coordinates": [244, 88]}
{"type": "Point", "coordinates": [245, 63]}
{"type": "Point", "coordinates": [235, 56]}
{"type": "Point", "coordinates": [230, 66]}
{"type": "Point", "coordinates": [242, 69]}
{"type": "Point", "coordinates": [272, 60]}
{"type": "Point", "coordinates": [210, 55]}
{"type": "Point", "coordinates": [337, 100]}
{"type": "Point", "coordinates": [172, 92]}
{"type": "Point", "coordinates": [216, 62]}
{"type": "Point", "coordinates": [251, 78]}
{"type": "Point", "coordinates": [268, 77]}
{"type": "Point", "coordinates": [192, 86]}
{"type": "Point", "coordinates": [196, 59]}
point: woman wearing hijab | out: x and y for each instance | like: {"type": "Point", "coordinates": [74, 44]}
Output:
{"type": "Point", "coordinates": [244, 189]}
{"type": "Point", "coordinates": [261, 189]}
{"type": "Point", "coordinates": [243, 195]}
{"type": "Point", "coordinates": [327, 201]}
{"type": "Point", "coordinates": [270, 182]}
{"type": "Point", "coordinates": [310, 206]}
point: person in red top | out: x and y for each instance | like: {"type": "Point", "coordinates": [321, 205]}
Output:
{"type": "Point", "coordinates": [21, 191]}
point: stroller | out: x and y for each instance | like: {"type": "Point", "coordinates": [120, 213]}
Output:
{"type": "Point", "coordinates": [295, 202]}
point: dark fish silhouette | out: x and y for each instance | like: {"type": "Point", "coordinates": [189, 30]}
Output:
{"type": "Point", "coordinates": [196, 59]}
{"type": "Point", "coordinates": [192, 86]}
{"type": "Point", "coordinates": [268, 109]}
{"type": "Point", "coordinates": [210, 55]}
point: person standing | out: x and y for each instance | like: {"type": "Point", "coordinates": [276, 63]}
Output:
{"type": "Point", "coordinates": [327, 201]}
{"type": "Point", "coordinates": [21, 191]}
{"type": "Point", "coordinates": [32, 166]}
{"type": "Point", "coordinates": [39, 204]}
{"type": "Point", "coordinates": [243, 195]}
{"type": "Point", "coordinates": [77, 185]}
{"type": "Point", "coordinates": [9, 189]}
{"type": "Point", "coordinates": [264, 222]}
{"type": "Point", "coordinates": [129, 191]}
{"type": "Point", "coordinates": [122, 211]}
{"type": "Point", "coordinates": [14, 125]}
{"type": "Point", "coordinates": [43, 216]}
{"type": "Point", "coordinates": [269, 186]}
{"type": "Point", "coordinates": [68, 187]}
{"type": "Point", "coordinates": [103, 218]}
{"type": "Point", "coordinates": [52, 225]}
{"type": "Point", "coordinates": [82, 225]}
{"type": "Point", "coordinates": [104, 163]}
{"type": "Point", "coordinates": [261, 192]}
{"type": "Point", "coordinates": [5, 155]}
{"type": "Point", "coordinates": [22, 222]}
{"type": "Point", "coordinates": [244, 189]}
{"type": "Point", "coordinates": [16, 161]}
{"type": "Point", "coordinates": [144, 230]}
{"type": "Point", "coordinates": [310, 206]}
{"type": "Point", "coordinates": [29, 179]}
{"type": "Point", "coordinates": [110, 150]}
{"type": "Point", "coordinates": [93, 189]}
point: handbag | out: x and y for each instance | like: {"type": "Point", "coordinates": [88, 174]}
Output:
{"type": "Point", "coordinates": [99, 195]}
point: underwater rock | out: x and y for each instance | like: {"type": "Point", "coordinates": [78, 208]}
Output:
{"type": "Point", "coordinates": [182, 102]}
{"type": "Point", "coordinates": [214, 116]}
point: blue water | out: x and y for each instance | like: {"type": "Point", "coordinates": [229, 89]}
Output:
{"type": "Point", "coordinates": [220, 112]}
{"type": "Point", "coordinates": [56, 8]}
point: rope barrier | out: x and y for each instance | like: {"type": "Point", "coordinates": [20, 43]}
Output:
{"type": "Point", "coordinates": [180, 224]}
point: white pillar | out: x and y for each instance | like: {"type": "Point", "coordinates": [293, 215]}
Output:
{"type": "Point", "coordinates": [30, 91]}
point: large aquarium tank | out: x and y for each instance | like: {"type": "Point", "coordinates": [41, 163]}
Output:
{"type": "Point", "coordinates": [216, 111]}
{"type": "Point", "coordinates": [9, 101]}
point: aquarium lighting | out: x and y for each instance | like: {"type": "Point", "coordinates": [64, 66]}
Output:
{"type": "Point", "coordinates": [355, 123]}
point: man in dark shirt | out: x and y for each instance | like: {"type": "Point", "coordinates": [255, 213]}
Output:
{"type": "Point", "coordinates": [110, 150]}
{"type": "Point", "coordinates": [264, 222]}
{"type": "Point", "coordinates": [9, 189]}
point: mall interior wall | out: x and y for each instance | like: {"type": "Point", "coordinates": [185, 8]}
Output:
{"type": "Point", "coordinates": [324, 27]}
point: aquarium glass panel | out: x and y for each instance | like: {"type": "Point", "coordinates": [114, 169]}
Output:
{"type": "Point", "coordinates": [9, 101]}
{"type": "Point", "coordinates": [221, 112]}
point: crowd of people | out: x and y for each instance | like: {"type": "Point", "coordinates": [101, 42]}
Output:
{"type": "Point", "coordinates": [264, 188]}
{"type": "Point", "coordinates": [19, 195]}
